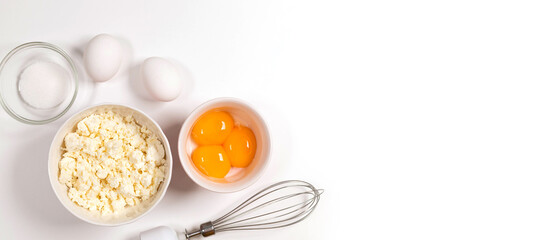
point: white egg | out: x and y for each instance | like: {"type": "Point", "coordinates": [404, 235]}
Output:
{"type": "Point", "coordinates": [161, 78]}
{"type": "Point", "coordinates": [103, 57]}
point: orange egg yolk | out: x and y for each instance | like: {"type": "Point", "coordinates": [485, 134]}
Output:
{"type": "Point", "coordinates": [212, 127]}
{"type": "Point", "coordinates": [240, 146]}
{"type": "Point", "coordinates": [212, 160]}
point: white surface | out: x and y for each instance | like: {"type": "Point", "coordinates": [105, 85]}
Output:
{"type": "Point", "coordinates": [417, 117]}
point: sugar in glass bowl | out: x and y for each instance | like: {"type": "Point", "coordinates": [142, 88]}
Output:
{"type": "Point", "coordinates": [38, 83]}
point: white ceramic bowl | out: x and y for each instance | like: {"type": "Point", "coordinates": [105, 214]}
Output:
{"type": "Point", "coordinates": [131, 213]}
{"type": "Point", "coordinates": [237, 178]}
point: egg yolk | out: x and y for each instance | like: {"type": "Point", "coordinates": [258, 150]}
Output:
{"type": "Point", "coordinates": [212, 160]}
{"type": "Point", "coordinates": [212, 128]}
{"type": "Point", "coordinates": [240, 146]}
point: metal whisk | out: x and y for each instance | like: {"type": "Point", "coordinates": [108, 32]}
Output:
{"type": "Point", "coordinates": [279, 205]}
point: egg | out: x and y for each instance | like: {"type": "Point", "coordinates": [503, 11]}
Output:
{"type": "Point", "coordinates": [240, 146]}
{"type": "Point", "coordinates": [103, 57]}
{"type": "Point", "coordinates": [161, 78]}
{"type": "Point", "coordinates": [212, 160]}
{"type": "Point", "coordinates": [212, 127]}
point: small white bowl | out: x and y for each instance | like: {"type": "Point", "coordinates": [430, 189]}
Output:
{"type": "Point", "coordinates": [131, 213]}
{"type": "Point", "coordinates": [238, 178]}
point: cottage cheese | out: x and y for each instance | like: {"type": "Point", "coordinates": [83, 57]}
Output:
{"type": "Point", "coordinates": [111, 162]}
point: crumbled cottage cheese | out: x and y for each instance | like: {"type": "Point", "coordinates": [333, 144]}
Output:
{"type": "Point", "coordinates": [111, 162]}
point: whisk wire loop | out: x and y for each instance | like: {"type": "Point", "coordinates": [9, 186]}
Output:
{"type": "Point", "coordinates": [253, 198]}
{"type": "Point", "coordinates": [269, 213]}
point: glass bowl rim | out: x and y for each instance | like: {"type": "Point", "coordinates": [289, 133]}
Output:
{"type": "Point", "coordinates": [72, 67]}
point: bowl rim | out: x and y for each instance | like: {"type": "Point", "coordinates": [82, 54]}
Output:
{"type": "Point", "coordinates": [55, 49]}
{"type": "Point", "coordinates": [164, 187]}
{"type": "Point", "coordinates": [183, 134]}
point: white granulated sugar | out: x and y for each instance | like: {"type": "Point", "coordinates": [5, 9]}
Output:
{"type": "Point", "coordinates": [44, 85]}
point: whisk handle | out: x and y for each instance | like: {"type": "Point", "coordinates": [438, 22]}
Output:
{"type": "Point", "coordinates": [159, 233]}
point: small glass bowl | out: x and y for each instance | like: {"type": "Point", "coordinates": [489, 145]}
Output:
{"type": "Point", "coordinates": [11, 68]}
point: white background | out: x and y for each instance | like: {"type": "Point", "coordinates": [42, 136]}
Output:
{"type": "Point", "coordinates": [416, 117]}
